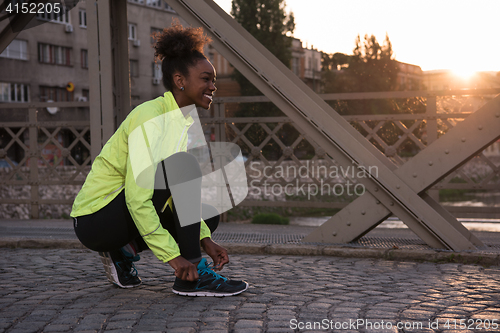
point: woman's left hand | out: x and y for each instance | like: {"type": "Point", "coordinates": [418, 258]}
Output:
{"type": "Point", "coordinates": [216, 252]}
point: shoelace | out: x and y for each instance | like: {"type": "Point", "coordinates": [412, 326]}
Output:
{"type": "Point", "coordinates": [208, 270]}
{"type": "Point", "coordinates": [129, 267]}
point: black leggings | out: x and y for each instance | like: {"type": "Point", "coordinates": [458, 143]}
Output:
{"type": "Point", "coordinates": [112, 227]}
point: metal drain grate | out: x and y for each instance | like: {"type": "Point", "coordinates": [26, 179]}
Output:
{"type": "Point", "coordinates": [391, 242]}
{"type": "Point", "coordinates": [377, 242]}
{"type": "Point", "coordinates": [235, 237]}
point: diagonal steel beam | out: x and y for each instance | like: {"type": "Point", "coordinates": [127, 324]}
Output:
{"type": "Point", "coordinates": [315, 117]}
{"type": "Point", "coordinates": [13, 28]}
{"type": "Point", "coordinates": [432, 164]}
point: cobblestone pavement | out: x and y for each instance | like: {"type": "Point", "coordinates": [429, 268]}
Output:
{"type": "Point", "coordinates": [66, 291]}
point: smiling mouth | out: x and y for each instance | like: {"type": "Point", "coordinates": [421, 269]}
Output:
{"type": "Point", "coordinates": [208, 96]}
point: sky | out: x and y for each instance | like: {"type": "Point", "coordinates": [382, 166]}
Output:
{"type": "Point", "coordinates": [460, 35]}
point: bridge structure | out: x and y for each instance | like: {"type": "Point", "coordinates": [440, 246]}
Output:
{"type": "Point", "coordinates": [393, 190]}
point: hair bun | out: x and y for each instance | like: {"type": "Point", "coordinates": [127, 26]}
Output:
{"type": "Point", "coordinates": [178, 42]}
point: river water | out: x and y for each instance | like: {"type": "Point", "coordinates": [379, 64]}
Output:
{"type": "Point", "coordinates": [492, 225]}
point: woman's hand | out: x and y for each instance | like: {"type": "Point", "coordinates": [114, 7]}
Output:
{"type": "Point", "coordinates": [216, 252]}
{"type": "Point", "coordinates": [184, 270]}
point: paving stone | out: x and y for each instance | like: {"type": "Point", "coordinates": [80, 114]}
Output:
{"type": "Point", "coordinates": [41, 296]}
{"type": "Point", "coordinates": [57, 328]}
{"type": "Point", "coordinates": [244, 323]}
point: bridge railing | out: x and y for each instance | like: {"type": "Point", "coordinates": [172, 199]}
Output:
{"type": "Point", "coordinates": [44, 162]}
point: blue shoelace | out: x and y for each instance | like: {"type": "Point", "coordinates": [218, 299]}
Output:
{"type": "Point", "coordinates": [132, 269]}
{"type": "Point", "coordinates": [208, 269]}
{"type": "Point", "coordinates": [129, 262]}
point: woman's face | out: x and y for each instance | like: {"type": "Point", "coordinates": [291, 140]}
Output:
{"type": "Point", "coordinates": [199, 86]}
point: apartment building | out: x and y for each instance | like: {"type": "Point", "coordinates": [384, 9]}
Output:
{"type": "Point", "coordinates": [50, 62]}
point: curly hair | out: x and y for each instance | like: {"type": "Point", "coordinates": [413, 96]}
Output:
{"type": "Point", "coordinates": [178, 49]}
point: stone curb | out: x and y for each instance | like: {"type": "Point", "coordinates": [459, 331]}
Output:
{"type": "Point", "coordinates": [296, 250]}
{"type": "Point", "coordinates": [33, 243]}
{"type": "Point", "coordinates": [374, 253]}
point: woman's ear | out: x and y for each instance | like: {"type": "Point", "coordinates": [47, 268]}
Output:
{"type": "Point", "coordinates": [178, 80]}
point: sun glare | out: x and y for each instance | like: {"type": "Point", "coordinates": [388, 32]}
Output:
{"type": "Point", "coordinates": [464, 73]}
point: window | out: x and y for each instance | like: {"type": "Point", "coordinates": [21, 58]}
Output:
{"type": "Point", "coordinates": [134, 68]}
{"type": "Point", "coordinates": [170, 9]}
{"type": "Point", "coordinates": [14, 92]}
{"type": "Point", "coordinates": [132, 31]}
{"type": "Point", "coordinates": [52, 54]}
{"type": "Point", "coordinates": [82, 15]}
{"type": "Point", "coordinates": [17, 49]}
{"type": "Point", "coordinates": [157, 74]}
{"type": "Point", "coordinates": [85, 58]}
{"type": "Point", "coordinates": [62, 17]}
{"type": "Point", "coordinates": [154, 3]}
{"type": "Point", "coordinates": [56, 94]}
{"type": "Point", "coordinates": [85, 93]}
{"type": "Point", "coordinates": [154, 31]}
{"type": "Point", "coordinates": [136, 1]}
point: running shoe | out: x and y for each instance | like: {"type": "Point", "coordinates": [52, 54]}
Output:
{"type": "Point", "coordinates": [120, 268]}
{"type": "Point", "coordinates": [209, 284]}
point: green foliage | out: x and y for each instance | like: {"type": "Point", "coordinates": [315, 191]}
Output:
{"type": "Point", "coordinates": [456, 195]}
{"type": "Point", "coordinates": [270, 218]}
{"type": "Point", "coordinates": [370, 68]}
{"type": "Point", "coordinates": [267, 21]}
{"type": "Point", "coordinates": [65, 216]}
{"type": "Point", "coordinates": [270, 24]}
{"type": "Point", "coordinates": [246, 213]}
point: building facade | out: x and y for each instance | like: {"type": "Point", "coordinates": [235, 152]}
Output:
{"type": "Point", "coordinates": [50, 62]}
{"type": "Point", "coordinates": [409, 77]}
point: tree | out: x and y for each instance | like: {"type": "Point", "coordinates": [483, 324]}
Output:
{"type": "Point", "coordinates": [372, 65]}
{"type": "Point", "coordinates": [370, 68]}
{"type": "Point", "coordinates": [268, 22]}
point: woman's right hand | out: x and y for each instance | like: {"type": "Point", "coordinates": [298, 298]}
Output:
{"type": "Point", "coordinates": [184, 270]}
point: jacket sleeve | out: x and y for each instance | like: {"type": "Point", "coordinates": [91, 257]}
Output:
{"type": "Point", "coordinates": [138, 193]}
{"type": "Point", "coordinates": [204, 230]}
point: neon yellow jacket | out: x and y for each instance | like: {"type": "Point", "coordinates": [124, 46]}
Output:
{"type": "Point", "coordinates": [112, 172]}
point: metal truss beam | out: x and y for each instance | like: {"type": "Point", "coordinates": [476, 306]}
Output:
{"type": "Point", "coordinates": [432, 164]}
{"type": "Point", "coordinates": [326, 127]}
{"type": "Point", "coordinates": [108, 69]}
{"type": "Point", "coordinates": [12, 29]}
